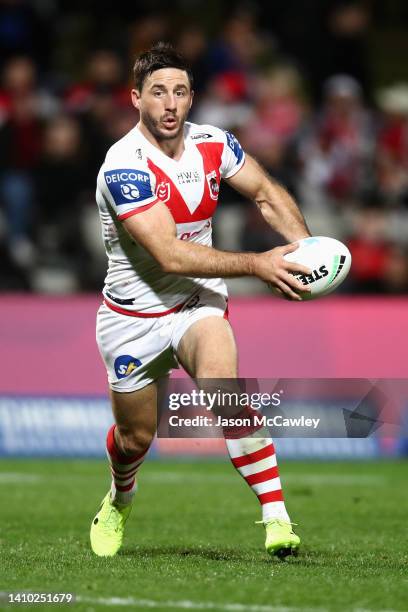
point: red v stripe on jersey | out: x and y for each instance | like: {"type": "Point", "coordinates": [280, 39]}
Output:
{"type": "Point", "coordinates": [211, 155]}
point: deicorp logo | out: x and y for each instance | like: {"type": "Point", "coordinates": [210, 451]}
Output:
{"type": "Point", "coordinates": [128, 185]}
{"type": "Point", "coordinates": [125, 364]}
{"type": "Point", "coordinates": [129, 191]}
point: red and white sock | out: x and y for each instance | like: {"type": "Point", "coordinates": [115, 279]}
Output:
{"type": "Point", "coordinates": [123, 468]}
{"type": "Point", "coordinates": [255, 459]}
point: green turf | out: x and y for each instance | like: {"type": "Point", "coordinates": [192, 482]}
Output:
{"type": "Point", "coordinates": [191, 537]}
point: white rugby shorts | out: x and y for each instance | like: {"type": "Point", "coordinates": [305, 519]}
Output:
{"type": "Point", "coordinates": [137, 351]}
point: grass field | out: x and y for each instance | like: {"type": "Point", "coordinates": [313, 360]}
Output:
{"type": "Point", "coordinates": [191, 541]}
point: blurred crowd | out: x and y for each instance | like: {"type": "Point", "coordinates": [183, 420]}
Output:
{"type": "Point", "coordinates": [337, 142]}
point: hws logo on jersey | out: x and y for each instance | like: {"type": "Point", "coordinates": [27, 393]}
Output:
{"type": "Point", "coordinates": [125, 364]}
{"type": "Point", "coordinates": [163, 191]}
{"type": "Point", "coordinates": [234, 146]}
{"type": "Point", "coordinates": [128, 185]}
{"type": "Point", "coordinates": [213, 184]}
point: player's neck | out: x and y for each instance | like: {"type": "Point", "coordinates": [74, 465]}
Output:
{"type": "Point", "coordinates": [173, 148]}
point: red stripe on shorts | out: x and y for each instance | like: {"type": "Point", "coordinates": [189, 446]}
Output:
{"type": "Point", "coordinates": [143, 315]}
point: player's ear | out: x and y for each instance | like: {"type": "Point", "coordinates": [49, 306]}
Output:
{"type": "Point", "coordinates": [191, 98]}
{"type": "Point", "coordinates": [135, 95]}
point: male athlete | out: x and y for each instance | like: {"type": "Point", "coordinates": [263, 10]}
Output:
{"type": "Point", "coordinates": [165, 301]}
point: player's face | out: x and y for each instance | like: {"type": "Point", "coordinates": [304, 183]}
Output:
{"type": "Point", "coordinates": [164, 102]}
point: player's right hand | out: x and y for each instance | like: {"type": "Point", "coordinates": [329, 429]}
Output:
{"type": "Point", "coordinates": [272, 268]}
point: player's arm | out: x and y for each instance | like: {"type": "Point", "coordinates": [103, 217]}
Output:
{"type": "Point", "coordinates": [155, 230]}
{"type": "Point", "coordinates": [276, 205]}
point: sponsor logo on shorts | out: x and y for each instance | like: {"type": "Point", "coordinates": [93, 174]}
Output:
{"type": "Point", "coordinates": [128, 185]}
{"type": "Point", "coordinates": [125, 364]}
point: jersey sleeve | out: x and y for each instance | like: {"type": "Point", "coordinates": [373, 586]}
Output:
{"type": "Point", "coordinates": [233, 156]}
{"type": "Point", "coordinates": [128, 190]}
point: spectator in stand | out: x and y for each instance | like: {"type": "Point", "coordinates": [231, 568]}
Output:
{"type": "Point", "coordinates": [104, 76]}
{"type": "Point", "coordinates": [146, 30]}
{"type": "Point", "coordinates": [20, 82]}
{"type": "Point", "coordinates": [396, 271]}
{"type": "Point", "coordinates": [241, 46]}
{"type": "Point", "coordinates": [23, 108]}
{"type": "Point", "coordinates": [372, 250]}
{"type": "Point", "coordinates": [26, 29]}
{"type": "Point", "coordinates": [192, 44]}
{"type": "Point", "coordinates": [392, 144]}
{"type": "Point", "coordinates": [335, 154]}
{"type": "Point", "coordinates": [61, 186]}
{"type": "Point", "coordinates": [225, 102]}
{"type": "Point", "coordinates": [231, 64]}
{"type": "Point", "coordinates": [276, 119]}
{"type": "Point", "coordinates": [97, 102]}
{"type": "Point", "coordinates": [343, 44]}
{"type": "Point", "coordinates": [337, 148]}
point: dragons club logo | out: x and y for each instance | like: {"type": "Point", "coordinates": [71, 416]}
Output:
{"type": "Point", "coordinates": [213, 184]}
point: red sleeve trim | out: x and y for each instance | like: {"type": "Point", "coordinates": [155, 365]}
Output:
{"type": "Point", "coordinates": [135, 211]}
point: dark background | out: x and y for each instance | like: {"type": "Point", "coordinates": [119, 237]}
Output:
{"type": "Point", "coordinates": [317, 91]}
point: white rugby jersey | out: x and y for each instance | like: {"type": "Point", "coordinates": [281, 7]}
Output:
{"type": "Point", "coordinates": [134, 177]}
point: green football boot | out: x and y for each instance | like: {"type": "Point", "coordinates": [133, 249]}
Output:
{"type": "Point", "coordinates": [108, 527]}
{"type": "Point", "coordinates": [280, 541]}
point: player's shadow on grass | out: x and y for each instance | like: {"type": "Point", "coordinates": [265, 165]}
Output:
{"type": "Point", "coordinates": [307, 557]}
{"type": "Point", "coordinates": [212, 554]}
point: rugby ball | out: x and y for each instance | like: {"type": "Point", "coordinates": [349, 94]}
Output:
{"type": "Point", "coordinates": [328, 259]}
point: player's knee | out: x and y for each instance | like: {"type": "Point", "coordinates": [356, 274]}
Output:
{"type": "Point", "coordinates": [135, 442]}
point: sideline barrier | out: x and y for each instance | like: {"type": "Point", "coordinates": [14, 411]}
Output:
{"type": "Point", "coordinates": [53, 384]}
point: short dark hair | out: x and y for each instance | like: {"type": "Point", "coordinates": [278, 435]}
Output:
{"type": "Point", "coordinates": [161, 55]}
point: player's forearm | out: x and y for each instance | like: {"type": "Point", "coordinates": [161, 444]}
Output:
{"type": "Point", "coordinates": [190, 259]}
{"type": "Point", "coordinates": [281, 212]}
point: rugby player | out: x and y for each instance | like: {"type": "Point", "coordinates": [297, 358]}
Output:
{"type": "Point", "coordinates": [165, 300]}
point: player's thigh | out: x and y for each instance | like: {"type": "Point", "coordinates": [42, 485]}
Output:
{"type": "Point", "coordinates": [136, 351]}
{"type": "Point", "coordinates": [208, 349]}
{"type": "Point", "coordinates": [135, 416]}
